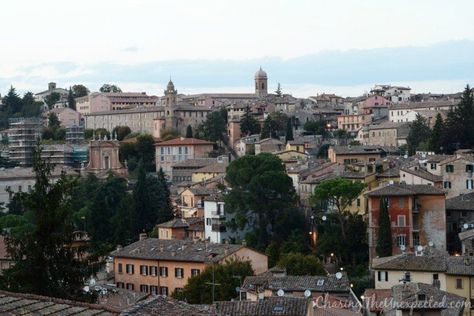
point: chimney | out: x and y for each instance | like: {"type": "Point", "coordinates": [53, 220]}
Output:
{"type": "Point", "coordinates": [119, 248]}
{"type": "Point", "coordinates": [173, 253]}
{"type": "Point", "coordinates": [51, 86]}
{"type": "Point", "coordinates": [142, 236]}
{"type": "Point", "coordinates": [244, 242]}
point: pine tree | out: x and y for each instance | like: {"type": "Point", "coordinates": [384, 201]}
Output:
{"type": "Point", "coordinates": [436, 139]}
{"type": "Point", "coordinates": [384, 241]}
{"type": "Point", "coordinates": [70, 99]}
{"type": "Point", "coordinates": [278, 90]}
{"type": "Point", "coordinates": [141, 216]}
{"type": "Point", "coordinates": [289, 130]}
{"type": "Point", "coordinates": [248, 124]}
{"type": "Point", "coordinates": [189, 132]}
{"type": "Point", "coordinates": [37, 239]}
{"type": "Point", "coordinates": [419, 133]}
{"type": "Point", "coordinates": [166, 209]}
{"type": "Point", "coordinates": [12, 101]}
{"type": "Point", "coordinates": [269, 129]}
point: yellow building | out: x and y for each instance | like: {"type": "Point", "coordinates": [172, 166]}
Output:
{"type": "Point", "coordinates": [209, 172]}
{"type": "Point", "coordinates": [359, 205]}
{"type": "Point", "coordinates": [295, 145]}
{"type": "Point", "coordinates": [453, 274]}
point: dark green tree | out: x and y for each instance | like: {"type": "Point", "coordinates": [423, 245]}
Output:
{"type": "Point", "coordinates": [315, 128]}
{"type": "Point", "coordinates": [107, 88]}
{"type": "Point", "coordinates": [419, 133]}
{"type": "Point", "coordinates": [300, 264]}
{"type": "Point", "coordinates": [384, 240]}
{"type": "Point", "coordinates": [52, 98]}
{"type": "Point", "coordinates": [278, 91]}
{"type": "Point", "coordinates": [53, 121]}
{"type": "Point", "coordinates": [248, 124]}
{"type": "Point", "coordinates": [189, 132]}
{"type": "Point", "coordinates": [121, 132]}
{"type": "Point", "coordinates": [289, 131]}
{"type": "Point", "coordinates": [71, 102]}
{"type": "Point", "coordinates": [338, 194]}
{"type": "Point", "coordinates": [101, 132]}
{"type": "Point", "coordinates": [213, 128]}
{"type": "Point", "coordinates": [37, 240]}
{"type": "Point", "coordinates": [263, 197]}
{"type": "Point", "coordinates": [228, 276]}
{"type": "Point", "coordinates": [145, 149]}
{"type": "Point", "coordinates": [269, 130]}
{"type": "Point", "coordinates": [12, 103]}
{"type": "Point", "coordinates": [79, 90]}
{"type": "Point", "coordinates": [31, 108]}
{"type": "Point", "coordinates": [165, 211]}
{"type": "Point", "coordinates": [60, 134]}
{"type": "Point", "coordinates": [436, 139]}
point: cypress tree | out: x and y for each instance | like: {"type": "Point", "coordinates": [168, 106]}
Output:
{"type": "Point", "coordinates": [70, 99]}
{"type": "Point", "coordinates": [384, 241]}
{"type": "Point", "coordinates": [436, 139]}
{"type": "Point", "coordinates": [289, 130]}
{"type": "Point", "coordinates": [165, 212]}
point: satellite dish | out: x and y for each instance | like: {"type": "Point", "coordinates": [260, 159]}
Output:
{"type": "Point", "coordinates": [431, 244]}
{"type": "Point", "coordinates": [92, 281]}
{"type": "Point", "coordinates": [402, 248]}
{"type": "Point", "coordinates": [324, 217]}
{"type": "Point", "coordinates": [307, 293]}
{"type": "Point", "coordinates": [280, 292]}
{"type": "Point", "coordinates": [465, 226]}
{"type": "Point", "coordinates": [338, 275]}
{"type": "Point", "coordinates": [237, 289]}
{"type": "Point", "coordinates": [419, 248]}
{"type": "Point", "coordinates": [86, 289]}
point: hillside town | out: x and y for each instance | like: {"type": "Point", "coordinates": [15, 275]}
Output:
{"type": "Point", "coordinates": [125, 203]}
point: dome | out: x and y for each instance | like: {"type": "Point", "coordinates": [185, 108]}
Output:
{"type": "Point", "coordinates": [170, 85]}
{"type": "Point", "coordinates": [260, 73]}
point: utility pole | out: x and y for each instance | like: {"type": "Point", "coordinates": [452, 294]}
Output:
{"type": "Point", "coordinates": [213, 283]}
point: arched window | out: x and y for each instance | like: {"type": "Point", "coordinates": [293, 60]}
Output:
{"type": "Point", "coordinates": [263, 85]}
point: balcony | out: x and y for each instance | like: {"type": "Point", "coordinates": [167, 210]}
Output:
{"type": "Point", "coordinates": [218, 228]}
{"type": "Point", "coordinates": [217, 214]}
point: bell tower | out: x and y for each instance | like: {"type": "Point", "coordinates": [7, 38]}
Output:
{"type": "Point", "coordinates": [261, 83]}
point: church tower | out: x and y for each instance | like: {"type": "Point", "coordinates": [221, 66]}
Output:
{"type": "Point", "coordinates": [261, 80]}
{"type": "Point", "coordinates": [171, 121]}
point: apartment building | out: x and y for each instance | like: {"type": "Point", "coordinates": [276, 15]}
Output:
{"type": "Point", "coordinates": [100, 101]}
{"type": "Point", "coordinates": [345, 155]}
{"type": "Point", "coordinates": [352, 123]}
{"type": "Point", "coordinates": [160, 266]}
{"type": "Point", "coordinates": [417, 214]}
{"type": "Point", "coordinates": [178, 150]}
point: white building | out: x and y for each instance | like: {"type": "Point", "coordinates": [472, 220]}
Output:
{"type": "Point", "coordinates": [406, 112]}
{"type": "Point", "coordinates": [216, 222]}
{"type": "Point", "coordinates": [395, 94]}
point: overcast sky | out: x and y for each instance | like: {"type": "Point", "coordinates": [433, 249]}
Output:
{"type": "Point", "coordinates": [309, 46]}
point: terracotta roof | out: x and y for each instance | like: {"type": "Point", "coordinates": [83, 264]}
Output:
{"type": "Point", "coordinates": [420, 105]}
{"type": "Point", "coordinates": [195, 163]}
{"type": "Point", "coordinates": [463, 202]}
{"type": "Point", "coordinates": [174, 223]}
{"type": "Point", "coordinates": [350, 150]}
{"type": "Point", "coordinates": [166, 306]}
{"type": "Point", "coordinates": [21, 304]}
{"type": "Point", "coordinates": [401, 189]}
{"type": "Point", "coordinates": [218, 167]}
{"type": "Point", "coordinates": [183, 141]}
{"type": "Point", "coordinates": [411, 262]}
{"type": "Point", "coordinates": [281, 306]}
{"type": "Point", "coordinates": [390, 173]}
{"type": "Point", "coordinates": [374, 298]}
{"type": "Point", "coordinates": [176, 250]}
{"type": "Point", "coordinates": [422, 173]}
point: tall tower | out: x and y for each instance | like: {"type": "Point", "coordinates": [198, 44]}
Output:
{"type": "Point", "coordinates": [171, 121]}
{"type": "Point", "coordinates": [170, 94]}
{"type": "Point", "coordinates": [261, 79]}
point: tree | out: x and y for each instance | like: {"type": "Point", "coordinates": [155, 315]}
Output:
{"type": "Point", "coordinates": [79, 90]}
{"type": "Point", "coordinates": [315, 128]}
{"type": "Point", "coordinates": [262, 196]}
{"type": "Point", "coordinates": [37, 239]}
{"type": "Point", "coordinates": [71, 102]}
{"type": "Point", "coordinates": [52, 98]}
{"type": "Point", "coordinates": [165, 211]}
{"type": "Point", "coordinates": [189, 132]}
{"type": "Point", "coordinates": [338, 193]}
{"type": "Point", "coordinates": [227, 276]}
{"type": "Point", "coordinates": [60, 134]}
{"type": "Point", "coordinates": [384, 241]}
{"type": "Point", "coordinates": [12, 102]}
{"type": "Point", "coordinates": [107, 88]}
{"type": "Point", "coordinates": [278, 91]}
{"type": "Point", "coordinates": [121, 132]}
{"type": "Point", "coordinates": [53, 121]}
{"type": "Point", "coordinates": [419, 133]}
{"type": "Point", "coordinates": [213, 127]}
{"type": "Point", "coordinates": [289, 130]}
{"type": "Point", "coordinates": [248, 124]}
{"type": "Point", "coordinates": [145, 149]}
{"type": "Point", "coordinates": [300, 264]}
{"type": "Point", "coordinates": [436, 139]}
{"type": "Point", "coordinates": [269, 129]}
{"type": "Point", "coordinates": [274, 125]}
{"type": "Point", "coordinates": [30, 107]}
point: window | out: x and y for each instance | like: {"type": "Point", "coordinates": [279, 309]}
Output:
{"type": "Point", "coordinates": [153, 289]}
{"type": "Point", "coordinates": [164, 290]}
{"type": "Point", "coordinates": [130, 268]}
{"type": "Point", "coordinates": [459, 283]}
{"type": "Point", "coordinates": [153, 270]}
{"type": "Point", "coordinates": [401, 221]}
{"type": "Point", "coordinates": [449, 168]}
{"type": "Point", "coordinates": [179, 273]}
{"type": "Point", "coordinates": [435, 276]}
{"type": "Point", "coordinates": [358, 202]}
{"type": "Point", "coordinates": [164, 271]}
{"type": "Point", "coordinates": [401, 240]}
{"type": "Point", "coordinates": [120, 285]}
{"type": "Point", "coordinates": [120, 268]}
{"type": "Point", "coordinates": [469, 184]}
{"type": "Point", "coordinates": [19, 188]}
{"type": "Point", "coordinates": [382, 276]}
{"type": "Point", "coordinates": [447, 184]}
{"type": "Point", "coordinates": [469, 168]}
{"type": "Point", "coordinates": [208, 221]}
{"type": "Point", "coordinates": [407, 276]}
{"type": "Point", "coordinates": [401, 202]}
{"type": "Point", "coordinates": [144, 270]}
{"type": "Point", "coordinates": [195, 272]}
{"type": "Point", "coordinates": [144, 288]}
{"type": "Point", "coordinates": [178, 289]}
{"type": "Point", "coordinates": [416, 239]}
{"type": "Point", "coordinates": [130, 286]}
{"type": "Point", "coordinates": [433, 166]}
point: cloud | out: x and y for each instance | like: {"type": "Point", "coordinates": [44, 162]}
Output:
{"type": "Point", "coordinates": [435, 68]}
